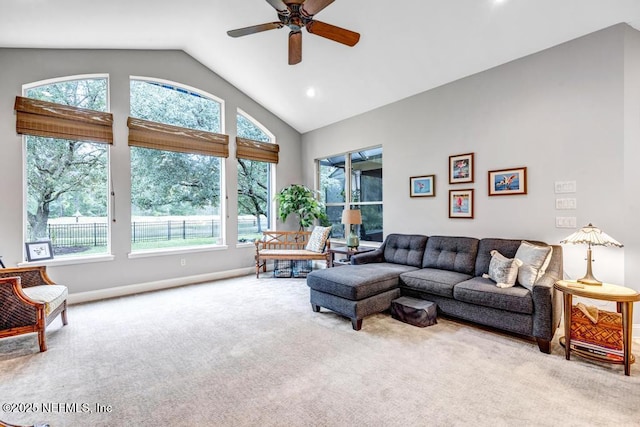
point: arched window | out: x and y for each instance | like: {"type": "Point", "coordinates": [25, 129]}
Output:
{"type": "Point", "coordinates": [176, 192]}
{"type": "Point", "coordinates": [254, 180]}
{"type": "Point", "coordinates": [66, 171]}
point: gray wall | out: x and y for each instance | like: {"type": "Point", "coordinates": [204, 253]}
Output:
{"type": "Point", "coordinates": [567, 113]}
{"type": "Point", "coordinates": [20, 66]}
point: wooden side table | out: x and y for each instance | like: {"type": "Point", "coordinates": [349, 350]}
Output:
{"type": "Point", "coordinates": [347, 252]}
{"type": "Point", "coordinates": [624, 299]}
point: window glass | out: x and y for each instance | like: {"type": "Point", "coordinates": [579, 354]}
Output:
{"type": "Point", "coordinates": [176, 198]}
{"type": "Point", "coordinates": [67, 181]}
{"type": "Point", "coordinates": [363, 190]}
{"type": "Point", "coordinates": [254, 185]}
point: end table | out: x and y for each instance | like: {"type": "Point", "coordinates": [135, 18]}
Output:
{"type": "Point", "coordinates": [624, 299]}
{"type": "Point", "coordinates": [347, 252]}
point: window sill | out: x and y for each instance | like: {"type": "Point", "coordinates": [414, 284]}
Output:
{"type": "Point", "coordinates": [69, 261]}
{"type": "Point", "coordinates": [176, 251]}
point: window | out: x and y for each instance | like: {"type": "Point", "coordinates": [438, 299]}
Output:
{"type": "Point", "coordinates": [254, 181]}
{"type": "Point", "coordinates": [176, 190]}
{"type": "Point", "coordinates": [67, 179]}
{"type": "Point", "coordinates": [363, 190]}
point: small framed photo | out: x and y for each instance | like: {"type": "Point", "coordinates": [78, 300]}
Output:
{"type": "Point", "coordinates": [507, 182]}
{"type": "Point", "coordinates": [38, 251]}
{"type": "Point", "coordinates": [461, 168]}
{"type": "Point", "coordinates": [422, 186]}
{"type": "Point", "coordinates": [461, 203]}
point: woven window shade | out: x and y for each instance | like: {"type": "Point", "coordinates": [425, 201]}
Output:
{"type": "Point", "coordinates": [256, 150]}
{"type": "Point", "coordinates": [48, 119]}
{"type": "Point", "coordinates": [146, 134]}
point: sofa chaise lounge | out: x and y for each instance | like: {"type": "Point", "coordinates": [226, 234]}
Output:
{"type": "Point", "coordinates": [453, 273]}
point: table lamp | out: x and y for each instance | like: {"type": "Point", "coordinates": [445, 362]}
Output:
{"type": "Point", "coordinates": [591, 236]}
{"type": "Point", "coordinates": [352, 217]}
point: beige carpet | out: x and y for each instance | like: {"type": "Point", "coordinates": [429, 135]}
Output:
{"type": "Point", "coordinates": [251, 352]}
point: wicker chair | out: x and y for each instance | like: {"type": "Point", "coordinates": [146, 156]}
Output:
{"type": "Point", "coordinates": [29, 301]}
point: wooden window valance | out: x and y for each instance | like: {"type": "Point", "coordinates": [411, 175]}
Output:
{"type": "Point", "coordinates": [257, 150]}
{"type": "Point", "coordinates": [159, 136]}
{"type": "Point", "coordinates": [48, 119]}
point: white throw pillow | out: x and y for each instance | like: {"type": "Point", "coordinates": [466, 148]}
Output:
{"type": "Point", "coordinates": [503, 270]}
{"type": "Point", "coordinates": [535, 260]}
{"type": "Point", "coordinates": [318, 239]}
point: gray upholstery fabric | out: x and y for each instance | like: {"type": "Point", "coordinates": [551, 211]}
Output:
{"type": "Point", "coordinates": [356, 282]}
{"type": "Point", "coordinates": [451, 253]}
{"type": "Point", "coordinates": [485, 292]}
{"type": "Point", "coordinates": [355, 309]}
{"type": "Point", "coordinates": [433, 280]}
{"type": "Point", "coordinates": [506, 247]}
{"type": "Point", "coordinates": [406, 249]}
{"type": "Point", "coordinates": [518, 323]}
{"type": "Point", "coordinates": [369, 257]}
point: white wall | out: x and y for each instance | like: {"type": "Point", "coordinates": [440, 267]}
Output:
{"type": "Point", "coordinates": [562, 113]}
{"type": "Point", "coordinates": [20, 66]}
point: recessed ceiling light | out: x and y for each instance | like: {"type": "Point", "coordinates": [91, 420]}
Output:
{"type": "Point", "coordinates": [311, 92]}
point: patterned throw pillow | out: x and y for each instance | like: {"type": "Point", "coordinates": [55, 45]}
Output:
{"type": "Point", "coordinates": [318, 239]}
{"type": "Point", "coordinates": [503, 270]}
{"type": "Point", "coordinates": [535, 260]}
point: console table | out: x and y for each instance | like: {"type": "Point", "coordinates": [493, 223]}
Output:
{"type": "Point", "coordinates": [624, 299]}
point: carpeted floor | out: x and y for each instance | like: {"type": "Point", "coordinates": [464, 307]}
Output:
{"type": "Point", "coordinates": [244, 352]}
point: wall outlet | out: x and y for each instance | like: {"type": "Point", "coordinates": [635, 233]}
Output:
{"type": "Point", "coordinates": [565, 186]}
{"type": "Point", "coordinates": [183, 262]}
{"type": "Point", "coordinates": [566, 222]}
{"type": "Point", "coordinates": [569, 203]}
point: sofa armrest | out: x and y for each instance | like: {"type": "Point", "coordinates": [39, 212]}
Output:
{"type": "Point", "coordinates": [368, 257]}
{"type": "Point", "coordinates": [547, 307]}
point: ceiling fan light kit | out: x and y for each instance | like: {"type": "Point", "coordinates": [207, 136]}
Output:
{"type": "Point", "coordinates": [298, 14]}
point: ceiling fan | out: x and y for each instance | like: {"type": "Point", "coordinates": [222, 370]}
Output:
{"type": "Point", "coordinates": [297, 14]}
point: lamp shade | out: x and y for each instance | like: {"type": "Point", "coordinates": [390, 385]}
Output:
{"type": "Point", "coordinates": [351, 216]}
{"type": "Point", "coordinates": [592, 236]}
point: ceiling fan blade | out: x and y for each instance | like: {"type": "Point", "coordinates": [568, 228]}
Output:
{"type": "Point", "coordinates": [332, 32]}
{"type": "Point", "coordinates": [311, 7]}
{"type": "Point", "coordinates": [295, 47]}
{"type": "Point", "coordinates": [280, 6]}
{"type": "Point", "coordinates": [255, 29]}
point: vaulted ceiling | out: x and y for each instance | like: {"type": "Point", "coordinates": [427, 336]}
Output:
{"type": "Point", "coordinates": [405, 47]}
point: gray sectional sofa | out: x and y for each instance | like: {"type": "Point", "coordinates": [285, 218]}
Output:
{"type": "Point", "coordinates": [448, 271]}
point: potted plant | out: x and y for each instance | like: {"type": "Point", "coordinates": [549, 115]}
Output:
{"type": "Point", "coordinates": [299, 200]}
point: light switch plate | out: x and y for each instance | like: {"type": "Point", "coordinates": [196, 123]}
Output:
{"type": "Point", "coordinates": [566, 222]}
{"type": "Point", "coordinates": [565, 186]}
{"type": "Point", "coordinates": [567, 203]}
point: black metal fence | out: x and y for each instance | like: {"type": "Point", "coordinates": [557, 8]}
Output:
{"type": "Point", "coordinates": [96, 234]}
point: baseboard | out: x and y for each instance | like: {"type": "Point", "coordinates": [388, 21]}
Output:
{"type": "Point", "coordinates": [119, 291]}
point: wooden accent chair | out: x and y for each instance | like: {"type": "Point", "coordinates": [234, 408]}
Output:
{"type": "Point", "coordinates": [29, 301]}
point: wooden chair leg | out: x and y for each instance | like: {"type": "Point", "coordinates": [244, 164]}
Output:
{"type": "Point", "coordinates": [42, 342]}
{"type": "Point", "coordinates": [63, 315]}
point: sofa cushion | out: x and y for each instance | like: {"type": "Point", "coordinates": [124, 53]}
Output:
{"type": "Point", "coordinates": [535, 259]}
{"type": "Point", "coordinates": [52, 296]}
{"type": "Point", "coordinates": [356, 282]}
{"type": "Point", "coordinates": [503, 270]}
{"type": "Point", "coordinates": [433, 281]}
{"type": "Point", "coordinates": [318, 239]}
{"type": "Point", "coordinates": [451, 253]}
{"type": "Point", "coordinates": [481, 291]}
{"type": "Point", "coordinates": [507, 247]}
{"type": "Point", "coordinates": [407, 249]}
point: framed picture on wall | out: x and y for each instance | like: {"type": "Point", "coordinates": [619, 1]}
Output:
{"type": "Point", "coordinates": [422, 186]}
{"type": "Point", "coordinates": [461, 168]}
{"type": "Point", "coordinates": [38, 251]}
{"type": "Point", "coordinates": [461, 203]}
{"type": "Point", "coordinates": [507, 182]}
